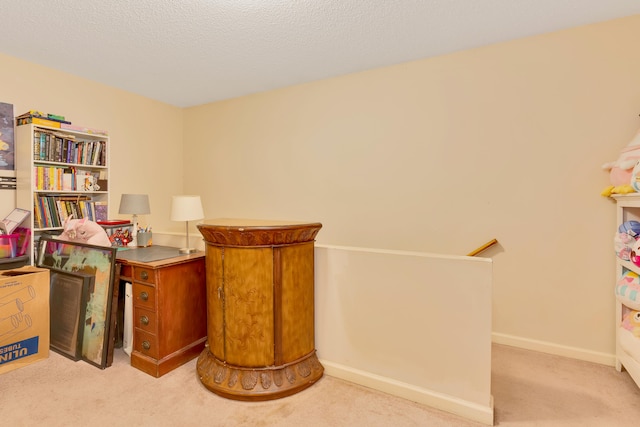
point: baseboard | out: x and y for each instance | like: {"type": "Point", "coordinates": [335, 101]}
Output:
{"type": "Point", "coordinates": [465, 409]}
{"type": "Point", "coordinates": [556, 349]}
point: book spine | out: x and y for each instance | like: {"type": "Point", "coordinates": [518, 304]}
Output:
{"type": "Point", "coordinates": [37, 212]}
{"type": "Point", "coordinates": [36, 145]}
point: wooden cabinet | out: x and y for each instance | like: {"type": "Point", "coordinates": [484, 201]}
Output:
{"type": "Point", "coordinates": [627, 295]}
{"type": "Point", "coordinates": [169, 311]}
{"type": "Point", "coordinates": [260, 295]}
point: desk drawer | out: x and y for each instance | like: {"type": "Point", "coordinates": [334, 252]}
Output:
{"type": "Point", "coordinates": [145, 320]}
{"type": "Point", "coordinates": [144, 296]}
{"type": "Point", "coordinates": [145, 343]}
{"type": "Point", "coordinates": [142, 274]}
{"type": "Point", "coordinates": [126, 272]}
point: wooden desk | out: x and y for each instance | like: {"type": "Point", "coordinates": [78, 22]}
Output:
{"type": "Point", "coordinates": [169, 306]}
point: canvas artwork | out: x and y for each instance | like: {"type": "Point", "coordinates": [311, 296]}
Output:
{"type": "Point", "coordinates": [68, 297]}
{"type": "Point", "coordinates": [6, 137]}
{"type": "Point", "coordinates": [98, 261]}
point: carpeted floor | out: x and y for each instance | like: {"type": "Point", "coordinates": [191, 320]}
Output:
{"type": "Point", "coordinates": [529, 389]}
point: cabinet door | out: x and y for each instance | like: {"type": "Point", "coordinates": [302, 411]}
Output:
{"type": "Point", "coordinates": [297, 312]}
{"type": "Point", "coordinates": [215, 302]}
{"type": "Point", "coordinates": [248, 311]}
{"type": "Point", "coordinates": [241, 328]}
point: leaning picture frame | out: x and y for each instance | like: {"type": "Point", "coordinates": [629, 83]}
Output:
{"type": "Point", "coordinates": [68, 297]}
{"type": "Point", "coordinates": [98, 261]}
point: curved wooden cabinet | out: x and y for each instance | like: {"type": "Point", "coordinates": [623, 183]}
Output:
{"type": "Point", "coordinates": [260, 308]}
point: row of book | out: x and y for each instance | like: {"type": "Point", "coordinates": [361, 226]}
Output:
{"type": "Point", "coordinates": [53, 121]}
{"type": "Point", "coordinates": [57, 147]}
{"type": "Point", "coordinates": [60, 178]}
{"type": "Point", "coordinates": [52, 211]}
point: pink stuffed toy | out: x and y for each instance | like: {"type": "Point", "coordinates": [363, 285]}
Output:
{"type": "Point", "coordinates": [84, 231]}
{"type": "Point", "coordinates": [631, 322]}
{"type": "Point", "coordinates": [620, 171]}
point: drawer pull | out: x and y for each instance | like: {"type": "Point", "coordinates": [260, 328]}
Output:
{"type": "Point", "coordinates": [144, 275]}
{"type": "Point", "coordinates": [144, 320]}
{"type": "Point", "coordinates": [144, 296]}
{"type": "Point", "coordinates": [146, 345]}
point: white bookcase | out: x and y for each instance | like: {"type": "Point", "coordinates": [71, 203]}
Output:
{"type": "Point", "coordinates": [57, 171]}
{"type": "Point", "coordinates": [627, 344]}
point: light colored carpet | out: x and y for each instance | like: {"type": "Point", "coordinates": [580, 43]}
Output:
{"type": "Point", "coordinates": [529, 389]}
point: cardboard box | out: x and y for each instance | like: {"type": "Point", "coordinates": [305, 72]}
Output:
{"type": "Point", "coordinates": [24, 317]}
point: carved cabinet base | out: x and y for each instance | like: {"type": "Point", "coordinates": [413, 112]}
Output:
{"type": "Point", "coordinates": [260, 309]}
{"type": "Point", "coordinates": [274, 382]}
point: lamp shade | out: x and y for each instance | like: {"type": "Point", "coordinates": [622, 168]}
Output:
{"type": "Point", "coordinates": [134, 204]}
{"type": "Point", "coordinates": [186, 208]}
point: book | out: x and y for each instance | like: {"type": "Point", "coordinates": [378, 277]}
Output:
{"type": "Point", "coordinates": [41, 115]}
{"type": "Point", "coordinates": [34, 113]}
{"type": "Point", "coordinates": [38, 121]}
{"type": "Point", "coordinates": [67, 182]}
{"type": "Point", "coordinates": [102, 211]}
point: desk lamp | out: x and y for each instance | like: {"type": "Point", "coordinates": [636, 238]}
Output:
{"type": "Point", "coordinates": [134, 204]}
{"type": "Point", "coordinates": [186, 208]}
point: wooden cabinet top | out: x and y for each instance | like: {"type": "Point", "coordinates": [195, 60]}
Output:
{"type": "Point", "coordinates": [257, 232]}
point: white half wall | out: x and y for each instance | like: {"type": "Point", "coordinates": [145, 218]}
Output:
{"type": "Point", "coordinates": [415, 325]}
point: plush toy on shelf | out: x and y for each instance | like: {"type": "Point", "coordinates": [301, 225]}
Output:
{"type": "Point", "coordinates": [631, 322]}
{"type": "Point", "coordinates": [627, 290]}
{"type": "Point", "coordinates": [621, 170]}
{"type": "Point", "coordinates": [626, 238]}
{"type": "Point", "coordinates": [623, 245]}
{"type": "Point", "coordinates": [635, 177]}
{"type": "Point", "coordinates": [84, 231]}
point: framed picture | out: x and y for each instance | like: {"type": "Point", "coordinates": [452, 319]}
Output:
{"type": "Point", "coordinates": [6, 137]}
{"type": "Point", "coordinates": [98, 261]}
{"type": "Point", "coordinates": [69, 294]}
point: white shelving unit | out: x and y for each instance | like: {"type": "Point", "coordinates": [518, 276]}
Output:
{"type": "Point", "coordinates": [627, 345]}
{"type": "Point", "coordinates": [64, 160]}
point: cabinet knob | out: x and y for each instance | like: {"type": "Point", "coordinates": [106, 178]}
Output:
{"type": "Point", "coordinates": [144, 275]}
{"type": "Point", "coordinates": [144, 320]}
{"type": "Point", "coordinates": [146, 345]}
{"type": "Point", "coordinates": [144, 296]}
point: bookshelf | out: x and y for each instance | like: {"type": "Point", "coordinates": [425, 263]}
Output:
{"type": "Point", "coordinates": [60, 172]}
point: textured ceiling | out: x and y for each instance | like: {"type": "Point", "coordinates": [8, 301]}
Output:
{"type": "Point", "coordinates": [192, 52]}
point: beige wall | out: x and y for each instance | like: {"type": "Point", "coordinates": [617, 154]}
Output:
{"type": "Point", "coordinates": [443, 154]}
{"type": "Point", "coordinates": [146, 136]}
{"type": "Point", "coordinates": [438, 155]}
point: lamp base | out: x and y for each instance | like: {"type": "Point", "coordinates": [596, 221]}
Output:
{"type": "Point", "coordinates": [187, 250]}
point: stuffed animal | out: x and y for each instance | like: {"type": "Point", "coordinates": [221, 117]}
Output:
{"type": "Point", "coordinates": [635, 177]}
{"type": "Point", "coordinates": [631, 322]}
{"type": "Point", "coordinates": [627, 290]}
{"type": "Point", "coordinates": [620, 171]}
{"type": "Point", "coordinates": [84, 231]}
{"type": "Point", "coordinates": [623, 245]}
{"type": "Point", "coordinates": [634, 255]}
